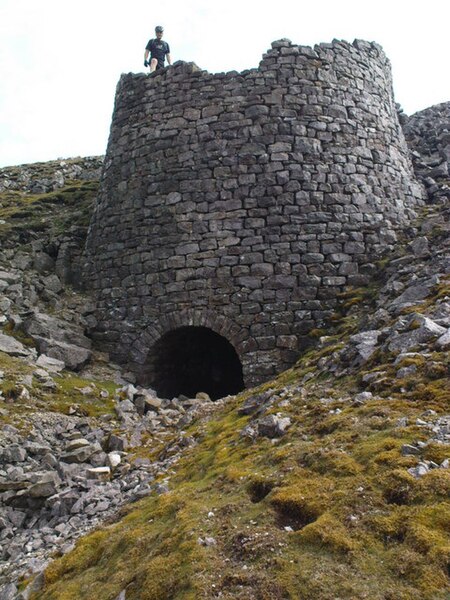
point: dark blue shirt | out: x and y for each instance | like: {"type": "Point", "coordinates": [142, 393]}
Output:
{"type": "Point", "coordinates": [158, 49]}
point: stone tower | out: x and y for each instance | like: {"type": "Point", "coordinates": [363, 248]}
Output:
{"type": "Point", "coordinates": [234, 209]}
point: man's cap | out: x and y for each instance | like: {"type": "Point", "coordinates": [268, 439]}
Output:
{"type": "Point", "coordinates": [159, 29]}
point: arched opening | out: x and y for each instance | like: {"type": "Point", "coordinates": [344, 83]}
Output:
{"type": "Point", "coordinates": [189, 360]}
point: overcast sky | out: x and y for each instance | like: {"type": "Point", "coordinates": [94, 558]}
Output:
{"type": "Point", "coordinates": [60, 61]}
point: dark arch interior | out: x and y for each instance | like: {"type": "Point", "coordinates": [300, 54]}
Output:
{"type": "Point", "coordinates": [188, 360]}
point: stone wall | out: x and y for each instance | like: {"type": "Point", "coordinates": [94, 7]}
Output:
{"type": "Point", "coordinates": [245, 203]}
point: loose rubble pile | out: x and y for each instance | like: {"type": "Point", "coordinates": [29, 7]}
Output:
{"type": "Point", "coordinates": [23, 293]}
{"type": "Point", "coordinates": [40, 178]}
{"type": "Point", "coordinates": [440, 432]}
{"type": "Point", "coordinates": [428, 135]}
{"type": "Point", "coordinates": [68, 473]}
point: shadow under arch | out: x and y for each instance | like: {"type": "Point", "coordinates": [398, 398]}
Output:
{"type": "Point", "coordinates": [190, 351]}
{"type": "Point", "coordinates": [191, 359]}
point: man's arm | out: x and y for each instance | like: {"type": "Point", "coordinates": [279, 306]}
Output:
{"type": "Point", "coordinates": [169, 58]}
{"type": "Point", "coordinates": [147, 52]}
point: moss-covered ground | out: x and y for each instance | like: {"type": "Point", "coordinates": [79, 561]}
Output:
{"type": "Point", "coordinates": [328, 511]}
{"type": "Point", "coordinates": [23, 214]}
{"type": "Point", "coordinates": [71, 395]}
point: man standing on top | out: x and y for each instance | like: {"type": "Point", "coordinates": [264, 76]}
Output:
{"type": "Point", "coordinates": [158, 51]}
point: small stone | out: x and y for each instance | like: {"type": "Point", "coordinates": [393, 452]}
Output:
{"type": "Point", "coordinates": [87, 390]}
{"type": "Point", "coordinates": [363, 397]}
{"type": "Point", "coordinates": [210, 541]}
{"type": "Point", "coordinates": [162, 488]}
{"type": "Point", "coordinates": [207, 541]}
{"type": "Point", "coordinates": [79, 455]}
{"type": "Point", "coordinates": [129, 391]}
{"type": "Point", "coordinates": [418, 471]}
{"type": "Point", "coordinates": [77, 443]}
{"type": "Point", "coordinates": [99, 473]}
{"type": "Point", "coordinates": [126, 406]}
{"type": "Point", "coordinates": [406, 371]}
{"type": "Point", "coordinates": [45, 487]}
{"type": "Point", "coordinates": [408, 449]}
{"type": "Point", "coordinates": [273, 426]}
{"type": "Point", "coordinates": [114, 459]}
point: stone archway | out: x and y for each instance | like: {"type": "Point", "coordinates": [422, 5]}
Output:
{"type": "Point", "coordinates": [191, 359]}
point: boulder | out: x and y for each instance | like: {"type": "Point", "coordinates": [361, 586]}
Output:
{"type": "Point", "coordinates": [255, 403]}
{"type": "Point", "coordinates": [422, 330]}
{"type": "Point", "coordinates": [43, 262]}
{"type": "Point", "coordinates": [365, 344]}
{"type": "Point", "coordinates": [419, 246]}
{"type": "Point", "coordinates": [12, 454]}
{"type": "Point", "coordinates": [52, 283]}
{"type": "Point", "coordinates": [273, 426]}
{"type": "Point", "coordinates": [117, 443]}
{"type": "Point", "coordinates": [443, 342]}
{"type": "Point", "coordinates": [40, 325]}
{"type": "Point", "coordinates": [11, 346]}
{"type": "Point", "coordinates": [9, 277]}
{"type": "Point", "coordinates": [8, 592]}
{"type": "Point", "coordinates": [414, 293]}
{"type": "Point", "coordinates": [46, 486]}
{"type": "Point", "coordinates": [53, 365]}
{"type": "Point", "coordinates": [73, 357]}
{"type": "Point", "coordinates": [77, 443]}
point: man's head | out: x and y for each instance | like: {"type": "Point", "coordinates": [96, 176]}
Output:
{"type": "Point", "coordinates": [159, 31]}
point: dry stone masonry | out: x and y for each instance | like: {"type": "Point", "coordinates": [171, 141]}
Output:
{"type": "Point", "coordinates": [235, 208]}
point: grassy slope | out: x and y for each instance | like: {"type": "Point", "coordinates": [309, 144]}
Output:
{"type": "Point", "coordinates": [362, 527]}
{"type": "Point", "coordinates": [30, 215]}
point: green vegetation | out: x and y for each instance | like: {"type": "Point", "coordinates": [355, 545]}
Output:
{"type": "Point", "coordinates": [55, 212]}
{"type": "Point", "coordinates": [71, 394]}
{"type": "Point", "coordinates": [327, 511]}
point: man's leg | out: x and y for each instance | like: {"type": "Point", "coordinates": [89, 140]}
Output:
{"type": "Point", "coordinates": [153, 64]}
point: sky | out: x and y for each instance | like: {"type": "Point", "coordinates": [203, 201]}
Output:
{"type": "Point", "coordinates": [60, 61]}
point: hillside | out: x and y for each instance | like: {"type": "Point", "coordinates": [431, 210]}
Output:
{"type": "Point", "coordinates": [330, 481]}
